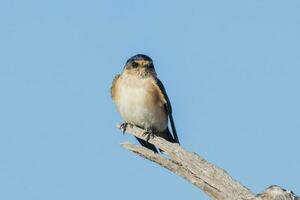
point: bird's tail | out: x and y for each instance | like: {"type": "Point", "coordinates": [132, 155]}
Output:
{"type": "Point", "coordinates": [168, 136]}
{"type": "Point", "coordinates": [147, 145]}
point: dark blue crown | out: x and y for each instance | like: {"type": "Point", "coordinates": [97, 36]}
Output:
{"type": "Point", "coordinates": [139, 57]}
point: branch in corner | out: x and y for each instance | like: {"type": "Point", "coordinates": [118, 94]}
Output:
{"type": "Point", "coordinates": [214, 181]}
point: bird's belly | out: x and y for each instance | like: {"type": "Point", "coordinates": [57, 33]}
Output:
{"type": "Point", "coordinates": [140, 107]}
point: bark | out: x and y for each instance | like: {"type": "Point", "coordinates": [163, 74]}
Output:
{"type": "Point", "coordinates": [213, 180]}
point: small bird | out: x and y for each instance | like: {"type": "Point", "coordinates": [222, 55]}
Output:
{"type": "Point", "coordinates": [141, 99]}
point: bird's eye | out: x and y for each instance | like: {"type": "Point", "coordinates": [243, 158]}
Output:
{"type": "Point", "coordinates": [151, 66]}
{"type": "Point", "coordinates": [135, 64]}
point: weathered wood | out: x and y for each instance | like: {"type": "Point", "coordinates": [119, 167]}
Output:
{"type": "Point", "coordinates": [275, 192]}
{"type": "Point", "coordinates": [214, 181]}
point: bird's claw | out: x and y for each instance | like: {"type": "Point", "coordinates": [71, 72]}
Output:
{"type": "Point", "coordinates": [149, 134]}
{"type": "Point", "coordinates": [124, 127]}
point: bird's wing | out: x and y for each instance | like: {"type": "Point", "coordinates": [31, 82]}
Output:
{"type": "Point", "coordinates": [167, 105]}
{"type": "Point", "coordinates": [113, 86]}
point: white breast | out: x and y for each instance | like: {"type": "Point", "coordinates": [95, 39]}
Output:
{"type": "Point", "coordinates": [138, 104]}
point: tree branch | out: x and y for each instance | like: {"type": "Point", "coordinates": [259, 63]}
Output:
{"type": "Point", "coordinates": [214, 181]}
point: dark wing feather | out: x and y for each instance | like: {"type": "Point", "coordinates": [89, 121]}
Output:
{"type": "Point", "coordinates": [168, 108]}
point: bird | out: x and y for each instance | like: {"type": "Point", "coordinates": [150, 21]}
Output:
{"type": "Point", "coordinates": [141, 100]}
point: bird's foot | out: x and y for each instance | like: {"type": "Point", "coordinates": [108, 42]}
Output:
{"type": "Point", "coordinates": [149, 134]}
{"type": "Point", "coordinates": [124, 127]}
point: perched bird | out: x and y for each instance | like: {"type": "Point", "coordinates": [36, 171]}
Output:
{"type": "Point", "coordinates": [141, 99]}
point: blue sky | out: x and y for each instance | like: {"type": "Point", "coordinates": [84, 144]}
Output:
{"type": "Point", "coordinates": [231, 69]}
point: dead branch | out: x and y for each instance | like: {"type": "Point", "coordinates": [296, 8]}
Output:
{"type": "Point", "coordinates": [214, 181]}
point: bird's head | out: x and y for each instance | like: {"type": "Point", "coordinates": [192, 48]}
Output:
{"type": "Point", "coordinates": [139, 64]}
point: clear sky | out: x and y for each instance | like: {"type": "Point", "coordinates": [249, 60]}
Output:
{"type": "Point", "coordinates": [231, 69]}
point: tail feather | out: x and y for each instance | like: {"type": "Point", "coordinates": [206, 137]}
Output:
{"type": "Point", "coordinates": [168, 136]}
{"type": "Point", "coordinates": [147, 145]}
